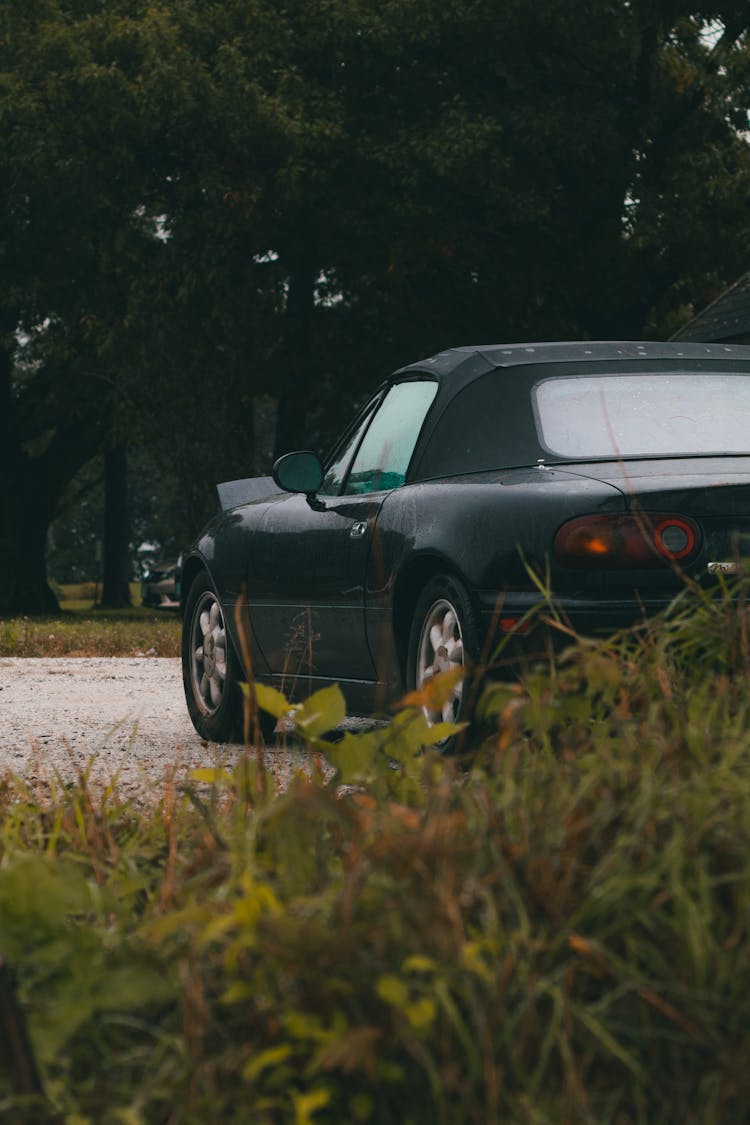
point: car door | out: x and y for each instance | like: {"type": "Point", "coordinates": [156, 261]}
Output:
{"type": "Point", "coordinates": [308, 560]}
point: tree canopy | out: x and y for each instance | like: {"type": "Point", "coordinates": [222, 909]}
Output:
{"type": "Point", "coordinates": [204, 203]}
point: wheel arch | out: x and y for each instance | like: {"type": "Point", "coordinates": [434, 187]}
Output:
{"type": "Point", "coordinates": [191, 568]}
{"type": "Point", "coordinates": [409, 584]}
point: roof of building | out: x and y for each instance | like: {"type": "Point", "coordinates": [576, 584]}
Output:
{"type": "Point", "coordinates": [726, 318]}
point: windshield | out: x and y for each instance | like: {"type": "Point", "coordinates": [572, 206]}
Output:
{"type": "Point", "coordinates": [613, 416]}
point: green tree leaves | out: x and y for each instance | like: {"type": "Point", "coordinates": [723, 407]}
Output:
{"type": "Point", "coordinates": [204, 204]}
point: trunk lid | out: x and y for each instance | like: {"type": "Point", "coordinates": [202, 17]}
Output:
{"type": "Point", "coordinates": [713, 491]}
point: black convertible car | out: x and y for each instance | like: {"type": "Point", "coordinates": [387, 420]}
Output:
{"type": "Point", "coordinates": [468, 484]}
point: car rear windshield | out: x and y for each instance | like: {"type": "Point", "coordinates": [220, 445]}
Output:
{"type": "Point", "coordinates": [644, 415]}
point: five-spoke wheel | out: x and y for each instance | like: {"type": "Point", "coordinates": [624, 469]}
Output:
{"type": "Point", "coordinates": [208, 653]}
{"type": "Point", "coordinates": [444, 637]}
{"type": "Point", "coordinates": [441, 649]}
{"type": "Point", "coordinates": [210, 669]}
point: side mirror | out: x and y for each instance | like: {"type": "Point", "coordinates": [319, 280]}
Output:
{"type": "Point", "coordinates": [299, 472]}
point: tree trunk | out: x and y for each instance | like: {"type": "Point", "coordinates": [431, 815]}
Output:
{"type": "Point", "coordinates": [24, 519]}
{"type": "Point", "coordinates": [31, 489]}
{"type": "Point", "coordinates": [24, 516]}
{"type": "Point", "coordinates": [116, 563]}
{"type": "Point", "coordinates": [294, 393]}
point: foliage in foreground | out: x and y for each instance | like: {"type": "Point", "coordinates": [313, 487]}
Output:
{"type": "Point", "coordinates": [556, 933]}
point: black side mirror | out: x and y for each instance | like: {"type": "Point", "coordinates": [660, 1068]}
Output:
{"type": "Point", "coordinates": [299, 472]}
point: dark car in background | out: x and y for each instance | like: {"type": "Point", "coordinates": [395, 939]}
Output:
{"type": "Point", "coordinates": [468, 486]}
{"type": "Point", "coordinates": [159, 584]}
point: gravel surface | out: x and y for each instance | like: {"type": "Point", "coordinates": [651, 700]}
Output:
{"type": "Point", "coordinates": [124, 716]}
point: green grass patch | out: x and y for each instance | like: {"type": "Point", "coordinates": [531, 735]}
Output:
{"type": "Point", "coordinates": [126, 632]}
{"type": "Point", "coordinates": [85, 595]}
{"type": "Point", "coordinates": [555, 931]}
{"type": "Point", "coordinates": [81, 629]}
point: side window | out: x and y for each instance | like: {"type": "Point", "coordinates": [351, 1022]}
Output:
{"type": "Point", "coordinates": [336, 471]}
{"type": "Point", "coordinates": [384, 455]}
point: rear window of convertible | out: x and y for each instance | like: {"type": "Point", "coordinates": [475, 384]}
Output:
{"type": "Point", "coordinates": [648, 415]}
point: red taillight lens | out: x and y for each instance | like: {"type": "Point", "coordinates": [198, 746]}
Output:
{"type": "Point", "coordinates": [626, 541]}
{"type": "Point", "coordinates": [674, 537]}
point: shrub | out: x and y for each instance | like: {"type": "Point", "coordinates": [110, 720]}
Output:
{"type": "Point", "coordinates": [555, 930]}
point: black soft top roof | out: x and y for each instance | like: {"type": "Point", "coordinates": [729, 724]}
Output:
{"type": "Point", "coordinates": [476, 389]}
{"type": "Point", "coordinates": [578, 351]}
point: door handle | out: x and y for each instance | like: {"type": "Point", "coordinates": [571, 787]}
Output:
{"type": "Point", "coordinates": [358, 529]}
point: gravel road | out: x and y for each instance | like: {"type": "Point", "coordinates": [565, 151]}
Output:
{"type": "Point", "coordinates": [125, 716]}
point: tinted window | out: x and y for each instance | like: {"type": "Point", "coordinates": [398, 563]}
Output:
{"type": "Point", "coordinates": [336, 471]}
{"type": "Point", "coordinates": [644, 415]}
{"type": "Point", "coordinates": [384, 455]}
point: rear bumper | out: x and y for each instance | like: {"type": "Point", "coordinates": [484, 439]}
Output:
{"type": "Point", "coordinates": [522, 626]}
{"type": "Point", "coordinates": [593, 612]}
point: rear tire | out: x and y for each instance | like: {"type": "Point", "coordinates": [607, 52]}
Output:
{"type": "Point", "coordinates": [444, 635]}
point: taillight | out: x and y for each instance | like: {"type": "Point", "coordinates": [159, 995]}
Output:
{"type": "Point", "coordinates": [645, 539]}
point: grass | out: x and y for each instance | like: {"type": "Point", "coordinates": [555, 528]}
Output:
{"type": "Point", "coordinates": [80, 629]}
{"type": "Point", "coordinates": [85, 595]}
{"type": "Point", "coordinates": [555, 931]}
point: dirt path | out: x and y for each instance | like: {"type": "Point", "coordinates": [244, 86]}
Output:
{"type": "Point", "coordinates": [125, 715]}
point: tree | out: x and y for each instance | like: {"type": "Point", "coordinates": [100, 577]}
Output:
{"type": "Point", "coordinates": [402, 177]}
{"type": "Point", "coordinates": [64, 233]}
{"type": "Point", "coordinates": [290, 200]}
{"type": "Point", "coordinates": [570, 170]}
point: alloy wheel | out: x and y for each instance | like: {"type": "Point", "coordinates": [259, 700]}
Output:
{"type": "Point", "coordinates": [441, 648]}
{"type": "Point", "coordinates": [208, 654]}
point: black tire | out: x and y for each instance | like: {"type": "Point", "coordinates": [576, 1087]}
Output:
{"type": "Point", "coordinates": [211, 670]}
{"type": "Point", "coordinates": [444, 605]}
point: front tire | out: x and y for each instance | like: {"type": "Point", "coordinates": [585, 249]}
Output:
{"type": "Point", "coordinates": [211, 672]}
{"type": "Point", "coordinates": [444, 635]}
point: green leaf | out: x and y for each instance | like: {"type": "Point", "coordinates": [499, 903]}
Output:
{"type": "Point", "coordinates": [132, 986]}
{"type": "Point", "coordinates": [410, 732]}
{"type": "Point", "coordinates": [272, 700]}
{"type": "Point", "coordinates": [438, 732]}
{"type": "Point", "coordinates": [305, 1105]}
{"type": "Point", "coordinates": [270, 1057]}
{"type": "Point", "coordinates": [418, 963]}
{"type": "Point", "coordinates": [302, 1026]}
{"type": "Point", "coordinates": [421, 1013]}
{"type": "Point", "coordinates": [393, 991]}
{"type": "Point", "coordinates": [321, 712]}
{"type": "Point", "coordinates": [239, 992]}
{"type": "Point", "coordinates": [41, 892]}
{"type": "Point", "coordinates": [472, 959]}
{"type": "Point", "coordinates": [211, 775]}
{"type": "Point", "coordinates": [356, 756]}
